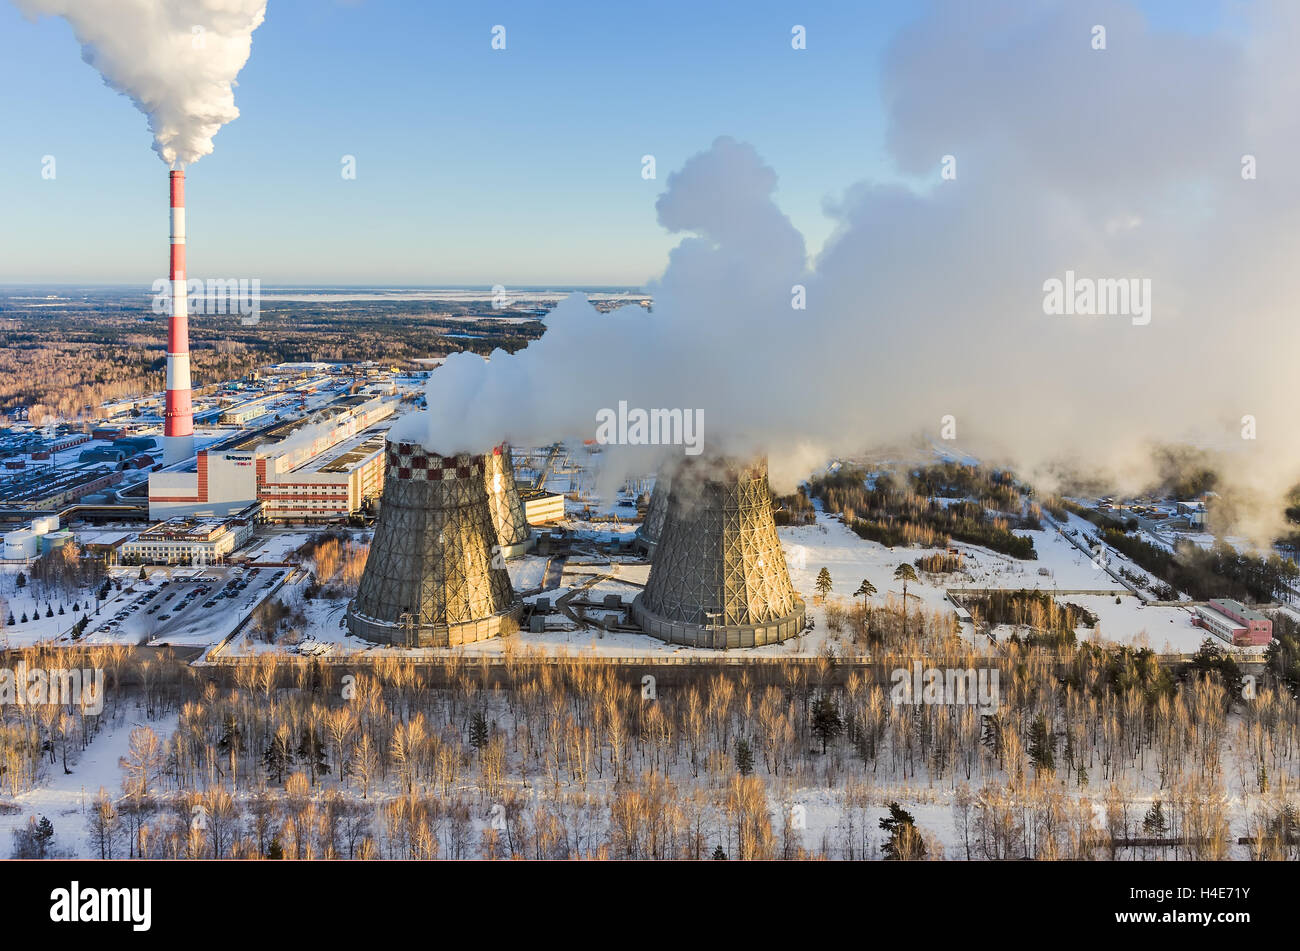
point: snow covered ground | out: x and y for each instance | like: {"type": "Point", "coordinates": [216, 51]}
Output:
{"type": "Point", "coordinates": [65, 798]}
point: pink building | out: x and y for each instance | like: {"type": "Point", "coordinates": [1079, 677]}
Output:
{"type": "Point", "coordinates": [1235, 623]}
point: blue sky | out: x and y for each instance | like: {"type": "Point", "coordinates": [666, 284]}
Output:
{"type": "Point", "coordinates": [475, 166]}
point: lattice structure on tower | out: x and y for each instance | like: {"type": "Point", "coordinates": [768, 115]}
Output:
{"type": "Point", "coordinates": [719, 577]}
{"type": "Point", "coordinates": [513, 534]}
{"type": "Point", "coordinates": [648, 532]}
{"type": "Point", "coordinates": [435, 576]}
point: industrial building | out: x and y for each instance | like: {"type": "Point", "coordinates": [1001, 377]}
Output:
{"type": "Point", "coordinates": [187, 541]}
{"type": "Point", "coordinates": [433, 577]}
{"type": "Point", "coordinates": [542, 507]}
{"type": "Point", "coordinates": [1235, 623]}
{"type": "Point", "coordinates": [286, 469]}
{"type": "Point", "coordinates": [332, 485]}
{"type": "Point", "coordinates": [719, 579]}
{"type": "Point", "coordinates": [47, 487]}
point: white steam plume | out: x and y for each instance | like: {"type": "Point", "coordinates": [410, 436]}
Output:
{"type": "Point", "coordinates": [928, 302]}
{"type": "Point", "coordinates": [176, 59]}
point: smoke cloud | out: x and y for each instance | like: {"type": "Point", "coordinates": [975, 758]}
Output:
{"type": "Point", "coordinates": [925, 311]}
{"type": "Point", "coordinates": [176, 59]}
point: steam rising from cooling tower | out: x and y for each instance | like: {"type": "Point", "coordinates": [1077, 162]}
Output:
{"type": "Point", "coordinates": [928, 300]}
{"type": "Point", "coordinates": [434, 577]}
{"type": "Point", "coordinates": [719, 577]}
{"type": "Point", "coordinates": [176, 59]}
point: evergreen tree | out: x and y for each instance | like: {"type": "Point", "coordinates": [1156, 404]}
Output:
{"type": "Point", "coordinates": [1042, 746]}
{"type": "Point", "coordinates": [744, 757]}
{"type": "Point", "coordinates": [1154, 824]}
{"type": "Point", "coordinates": [824, 582]}
{"type": "Point", "coordinates": [905, 573]}
{"type": "Point", "coordinates": [23, 619]}
{"type": "Point", "coordinates": [142, 574]}
{"type": "Point", "coordinates": [866, 589]}
{"type": "Point", "coordinates": [718, 854]}
{"type": "Point", "coordinates": [904, 840]}
{"type": "Point", "coordinates": [278, 757]}
{"type": "Point", "coordinates": [275, 850]}
{"type": "Point", "coordinates": [478, 730]}
{"type": "Point", "coordinates": [21, 580]}
{"type": "Point", "coordinates": [826, 720]}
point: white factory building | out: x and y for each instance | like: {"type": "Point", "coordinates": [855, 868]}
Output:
{"type": "Point", "coordinates": [322, 470]}
{"type": "Point", "coordinates": [183, 541]}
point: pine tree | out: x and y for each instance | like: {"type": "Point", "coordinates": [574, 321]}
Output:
{"type": "Point", "coordinates": [21, 580]}
{"type": "Point", "coordinates": [824, 582]}
{"type": "Point", "coordinates": [1154, 823]}
{"type": "Point", "coordinates": [904, 842]}
{"type": "Point", "coordinates": [718, 854]}
{"type": "Point", "coordinates": [866, 589]}
{"type": "Point", "coordinates": [142, 574]}
{"type": "Point", "coordinates": [275, 850]}
{"type": "Point", "coordinates": [744, 757]}
{"type": "Point", "coordinates": [1042, 746]}
{"type": "Point", "coordinates": [905, 573]}
{"type": "Point", "coordinates": [478, 730]}
{"type": "Point", "coordinates": [826, 720]}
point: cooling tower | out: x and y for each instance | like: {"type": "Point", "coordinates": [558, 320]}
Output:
{"type": "Point", "coordinates": [719, 578]}
{"type": "Point", "coordinates": [434, 576]}
{"type": "Point", "coordinates": [178, 417]}
{"type": "Point", "coordinates": [513, 534]}
{"type": "Point", "coordinates": [648, 532]}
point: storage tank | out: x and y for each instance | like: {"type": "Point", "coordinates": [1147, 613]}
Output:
{"type": "Point", "coordinates": [21, 544]}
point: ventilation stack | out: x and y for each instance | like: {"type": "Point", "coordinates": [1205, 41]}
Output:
{"type": "Point", "coordinates": [434, 577]}
{"type": "Point", "coordinates": [652, 526]}
{"type": "Point", "coordinates": [513, 534]}
{"type": "Point", "coordinates": [178, 414]}
{"type": "Point", "coordinates": [719, 578]}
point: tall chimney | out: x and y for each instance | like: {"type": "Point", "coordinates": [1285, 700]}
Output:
{"type": "Point", "coordinates": [178, 417]}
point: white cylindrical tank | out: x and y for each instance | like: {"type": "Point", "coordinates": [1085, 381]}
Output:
{"type": "Point", "coordinates": [21, 545]}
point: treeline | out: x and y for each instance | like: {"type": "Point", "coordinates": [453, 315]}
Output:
{"type": "Point", "coordinates": [875, 508]}
{"type": "Point", "coordinates": [1050, 622]}
{"type": "Point", "coordinates": [1218, 572]}
{"type": "Point", "coordinates": [65, 362]}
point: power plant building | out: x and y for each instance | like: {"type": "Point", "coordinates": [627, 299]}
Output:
{"type": "Point", "coordinates": [322, 470]}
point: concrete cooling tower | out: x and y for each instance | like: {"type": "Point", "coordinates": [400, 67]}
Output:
{"type": "Point", "coordinates": [513, 534]}
{"type": "Point", "coordinates": [648, 532]}
{"type": "Point", "coordinates": [719, 578]}
{"type": "Point", "coordinates": [435, 576]}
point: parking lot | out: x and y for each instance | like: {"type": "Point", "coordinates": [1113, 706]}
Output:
{"type": "Point", "coordinates": [182, 606]}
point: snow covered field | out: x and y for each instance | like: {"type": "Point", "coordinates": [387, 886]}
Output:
{"type": "Point", "coordinates": [65, 798]}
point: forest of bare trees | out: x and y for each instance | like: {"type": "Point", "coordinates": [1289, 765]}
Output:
{"type": "Point", "coordinates": [1090, 753]}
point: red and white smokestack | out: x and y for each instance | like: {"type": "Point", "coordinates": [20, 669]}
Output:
{"type": "Point", "coordinates": [178, 417]}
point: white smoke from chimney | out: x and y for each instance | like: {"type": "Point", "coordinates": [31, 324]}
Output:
{"type": "Point", "coordinates": [928, 301]}
{"type": "Point", "coordinates": [176, 59]}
